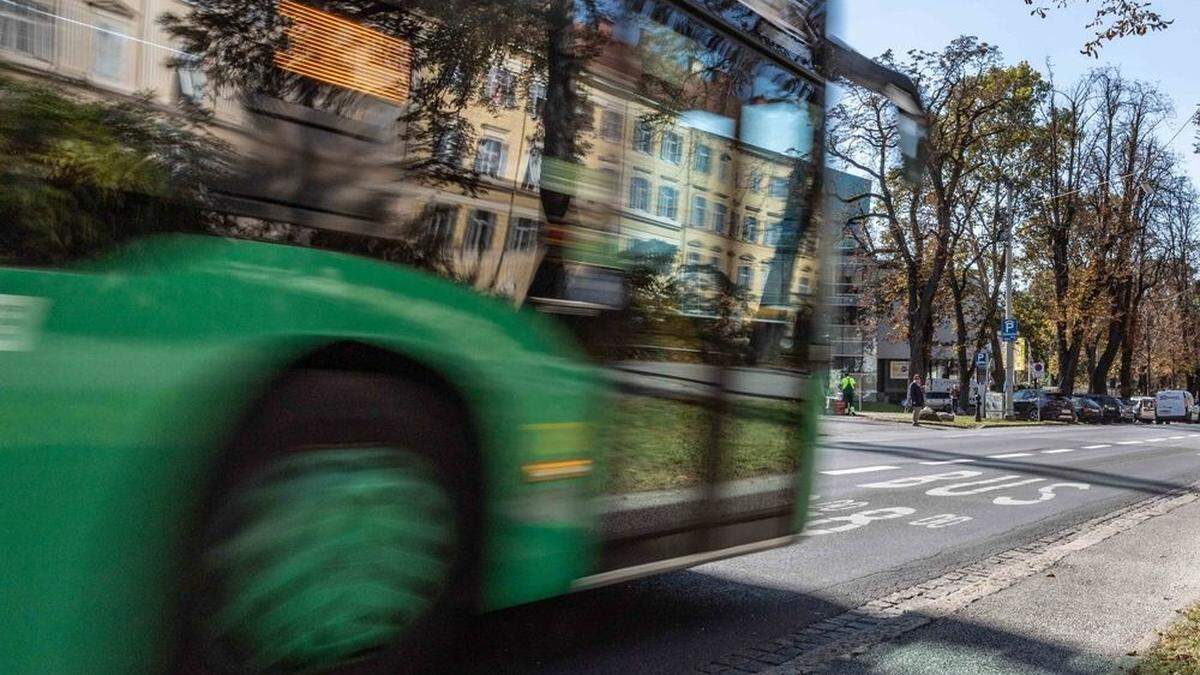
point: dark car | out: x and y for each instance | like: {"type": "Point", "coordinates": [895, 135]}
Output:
{"type": "Point", "coordinates": [1087, 410]}
{"type": "Point", "coordinates": [1037, 404]}
{"type": "Point", "coordinates": [1110, 407]}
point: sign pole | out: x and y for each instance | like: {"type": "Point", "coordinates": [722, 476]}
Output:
{"type": "Point", "coordinates": [1008, 354]}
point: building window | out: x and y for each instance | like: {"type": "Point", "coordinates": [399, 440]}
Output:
{"type": "Point", "coordinates": [448, 148]}
{"type": "Point", "coordinates": [693, 258]}
{"type": "Point", "coordinates": [754, 180]}
{"type": "Point", "coordinates": [193, 83]}
{"type": "Point", "coordinates": [804, 286]}
{"type": "Point", "coordinates": [778, 187]}
{"type": "Point", "coordinates": [639, 194]}
{"type": "Point", "coordinates": [106, 52]}
{"type": "Point", "coordinates": [611, 124]}
{"type": "Point", "coordinates": [524, 235]}
{"type": "Point", "coordinates": [702, 159]}
{"type": "Point", "coordinates": [501, 89]}
{"type": "Point", "coordinates": [672, 147]}
{"type": "Point", "coordinates": [643, 138]}
{"type": "Point", "coordinates": [440, 227]}
{"type": "Point", "coordinates": [726, 169]}
{"type": "Point", "coordinates": [697, 218]}
{"type": "Point", "coordinates": [490, 156]}
{"type": "Point", "coordinates": [668, 202]}
{"type": "Point", "coordinates": [533, 170]}
{"type": "Point", "coordinates": [773, 232]}
{"type": "Point", "coordinates": [750, 229]}
{"type": "Point", "coordinates": [744, 276]}
{"type": "Point", "coordinates": [27, 27]}
{"type": "Point", "coordinates": [720, 218]}
{"type": "Point", "coordinates": [537, 98]}
{"type": "Point", "coordinates": [480, 228]}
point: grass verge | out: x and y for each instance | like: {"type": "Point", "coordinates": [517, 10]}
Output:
{"type": "Point", "coordinates": [1177, 649]}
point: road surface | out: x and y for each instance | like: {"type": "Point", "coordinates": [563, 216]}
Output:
{"type": "Point", "coordinates": [895, 506]}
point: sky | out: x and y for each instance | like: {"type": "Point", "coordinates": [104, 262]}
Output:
{"type": "Point", "coordinates": [1167, 59]}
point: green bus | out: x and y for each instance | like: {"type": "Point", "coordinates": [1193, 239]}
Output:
{"type": "Point", "coordinates": [396, 311]}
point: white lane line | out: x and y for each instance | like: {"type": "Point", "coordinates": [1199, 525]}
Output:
{"type": "Point", "coordinates": [1055, 452]}
{"type": "Point", "coordinates": [1096, 447]}
{"type": "Point", "coordinates": [1175, 438]}
{"type": "Point", "coordinates": [1154, 440]}
{"type": "Point", "coordinates": [1129, 442]}
{"type": "Point", "coordinates": [861, 469]}
{"type": "Point", "coordinates": [948, 461]}
{"type": "Point", "coordinates": [1194, 436]}
{"type": "Point", "coordinates": [1011, 454]}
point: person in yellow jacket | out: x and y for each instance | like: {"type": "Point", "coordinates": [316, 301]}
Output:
{"type": "Point", "coordinates": [848, 386]}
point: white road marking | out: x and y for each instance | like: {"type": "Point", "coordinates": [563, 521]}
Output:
{"type": "Point", "coordinates": [1055, 452]}
{"type": "Point", "coordinates": [1154, 440]}
{"type": "Point", "coordinates": [1175, 438]}
{"type": "Point", "coordinates": [1011, 454]}
{"type": "Point", "coordinates": [1096, 447]}
{"type": "Point", "coordinates": [948, 461]}
{"type": "Point", "coordinates": [1194, 436]}
{"type": "Point", "coordinates": [1129, 442]}
{"type": "Point", "coordinates": [861, 469]}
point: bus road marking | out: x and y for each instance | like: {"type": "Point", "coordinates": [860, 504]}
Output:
{"type": "Point", "coordinates": [1055, 452]}
{"type": "Point", "coordinates": [861, 469]}
{"type": "Point", "coordinates": [1010, 455]}
{"type": "Point", "coordinates": [948, 461]}
{"type": "Point", "coordinates": [1096, 447]}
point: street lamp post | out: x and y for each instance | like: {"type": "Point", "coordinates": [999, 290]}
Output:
{"type": "Point", "coordinates": [1008, 350]}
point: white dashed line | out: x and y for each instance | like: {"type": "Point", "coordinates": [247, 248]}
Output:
{"type": "Point", "coordinates": [1055, 452]}
{"type": "Point", "coordinates": [1154, 440]}
{"type": "Point", "coordinates": [1096, 447]}
{"type": "Point", "coordinates": [1194, 436]}
{"type": "Point", "coordinates": [1011, 454]}
{"type": "Point", "coordinates": [861, 469]}
{"type": "Point", "coordinates": [1129, 442]}
{"type": "Point", "coordinates": [948, 461]}
{"type": "Point", "coordinates": [1175, 438]}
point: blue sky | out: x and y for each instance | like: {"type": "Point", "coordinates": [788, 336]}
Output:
{"type": "Point", "coordinates": [1167, 59]}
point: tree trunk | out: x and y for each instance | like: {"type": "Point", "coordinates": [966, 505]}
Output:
{"type": "Point", "coordinates": [1127, 367]}
{"type": "Point", "coordinates": [998, 369]}
{"type": "Point", "coordinates": [960, 331]}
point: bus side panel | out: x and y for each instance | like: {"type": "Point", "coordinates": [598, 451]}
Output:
{"type": "Point", "coordinates": [115, 412]}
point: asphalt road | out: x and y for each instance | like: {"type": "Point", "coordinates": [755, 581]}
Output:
{"type": "Point", "coordinates": [895, 506]}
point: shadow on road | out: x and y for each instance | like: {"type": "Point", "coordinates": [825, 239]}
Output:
{"type": "Point", "coordinates": [685, 621]}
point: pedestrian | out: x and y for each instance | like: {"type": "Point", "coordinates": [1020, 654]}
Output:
{"type": "Point", "coordinates": [848, 385]}
{"type": "Point", "coordinates": [916, 398]}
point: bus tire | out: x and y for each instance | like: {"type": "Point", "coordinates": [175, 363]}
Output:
{"type": "Point", "coordinates": [341, 534]}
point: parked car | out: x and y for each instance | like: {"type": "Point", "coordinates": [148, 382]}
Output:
{"type": "Point", "coordinates": [1087, 410]}
{"type": "Point", "coordinates": [940, 401]}
{"type": "Point", "coordinates": [1172, 405]}
{"type": "Point", "coordinates": [1194, 413]}
{"type": "Point", "coordinates": [1145, 408]}
{"type": "Point", "coordinates": [1110, 406]}
{"type": "Point", "coordinates": [1038, 404]}
{"type": "Point", "coordinates": [1129, 410]}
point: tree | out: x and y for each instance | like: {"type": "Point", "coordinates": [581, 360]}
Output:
{"type": "Point", "coordinates": [76, 176]}
{"type": "Point", "coordinates": [1114, 19]}
{"type": "Point", "coordinates": [971, 100]}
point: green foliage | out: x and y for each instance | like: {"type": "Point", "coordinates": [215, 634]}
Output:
{"type": "Point", "coordinates": [78, 175]}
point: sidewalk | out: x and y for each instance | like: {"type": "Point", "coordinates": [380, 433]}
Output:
{"type": "Point", "coordinates": [1090, 612]}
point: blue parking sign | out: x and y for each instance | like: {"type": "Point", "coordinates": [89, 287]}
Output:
{"type": "Point", "coordinates": [1009, 329]}
{"type": "Point", "coordinates": [981, 359]}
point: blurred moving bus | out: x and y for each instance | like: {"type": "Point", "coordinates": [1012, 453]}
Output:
{"type": "Point", "coordinates": [411, 309]}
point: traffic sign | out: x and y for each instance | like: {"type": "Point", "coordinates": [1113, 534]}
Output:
{"type": "Point", "coordinates": [981, 359]}
{"type": "Point", "coordinates": [1009, 330]}
{"type": "Point", "coordinates": [1038, 370]}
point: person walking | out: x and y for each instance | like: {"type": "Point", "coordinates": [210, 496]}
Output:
{"type": "Point", "coordinates": [916, 399]}
{"type": "Point", "coordinates": [848, 393]}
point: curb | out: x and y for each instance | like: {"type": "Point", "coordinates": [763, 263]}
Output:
{"type": "Point", "coordinates": [884, 619]}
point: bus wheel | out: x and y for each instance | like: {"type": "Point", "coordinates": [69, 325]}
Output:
{"type": "Point", "coordinates": [340, 537]}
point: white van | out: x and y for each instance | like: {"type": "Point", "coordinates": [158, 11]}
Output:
{"type": "Point", "coordinates": [1172, 405]}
